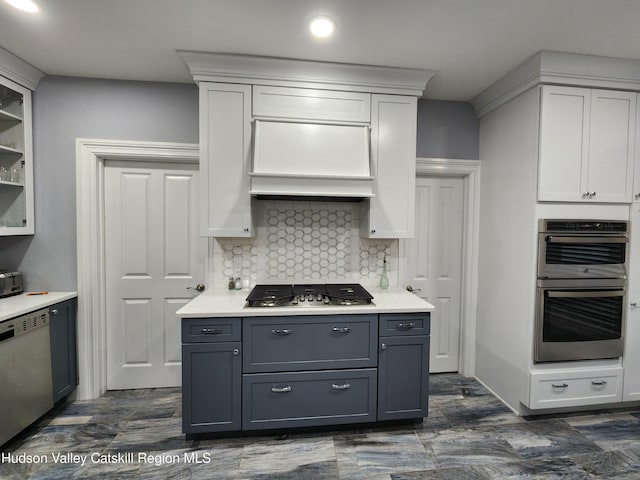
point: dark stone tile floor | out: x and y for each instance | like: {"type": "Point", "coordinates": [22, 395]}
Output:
{"type": "Point", "coordinates": [468, 435]}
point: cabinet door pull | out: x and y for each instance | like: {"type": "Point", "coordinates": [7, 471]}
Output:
{"type": "Point", "coordinates": [286, 389]}
{"type": "Point", "coordinates": [598, 383]}
{"type": "Point", "coordinates": [283, 331]}
{"type": "Point", "coordinates": [236, 352]}
{"type": "Point", "coordinates": [54, 311]}
{"type": "Point", "coordinates": [559, 385]}
{"type": "Point", "coordinates": [211, 331]}
{"type": "Point", "coordinates": [341, 329]}
{"type": "Point", "coordinates": [344, 386]}
{"type": "Point", "coordinates": [405, 326]}
{"type": "Point", "coordinates": [383, 346]}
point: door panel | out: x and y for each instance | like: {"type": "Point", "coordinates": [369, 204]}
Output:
{"type": "Point", "coordinates": [153, 253]}
{"type": "Point", "coordinates": [434, 259]}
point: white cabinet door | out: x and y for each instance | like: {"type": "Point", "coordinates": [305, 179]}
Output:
{"type": "Point", "coordinates": [390, 213]}
{"type": "Point", "coordinates": [611, 146]}
{"type": "Point", "coordinates": [586, 145]}
{"type": "Point", "coordinates": [631, 356]}
{"type": "Point", "coordinates": [636, 180]}
{"type": "Point", "coordinates": [16, 160]}
{"type": "Point", "coordinates": [225, 159]}
{"type": "Point", "coordinates": [564, 137]}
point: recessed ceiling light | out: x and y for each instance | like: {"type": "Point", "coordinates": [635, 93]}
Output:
{"type": "Point", "coordinates": [24, 5]}
{"type": "Point", "coordinates": [322, 26]}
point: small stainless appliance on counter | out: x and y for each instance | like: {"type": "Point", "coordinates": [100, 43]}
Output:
{"type": "Point", "coordinates": [10, 283]}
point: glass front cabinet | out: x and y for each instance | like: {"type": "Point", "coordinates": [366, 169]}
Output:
{"type": "Point", "coordinates": [16, 160]}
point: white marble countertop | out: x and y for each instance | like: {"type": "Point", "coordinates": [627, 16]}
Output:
{"type": "Point", "coordinates": [231, 303]}
{"type": "Point", "coordinates": [16, 305]}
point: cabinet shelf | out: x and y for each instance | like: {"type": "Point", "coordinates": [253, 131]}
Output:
{"type": "Point", "coordinates": [9, 151]}
{"type": "Point", "coordinates": [9, 118]}
{"type": "Point", "coordinates": [12, 184]}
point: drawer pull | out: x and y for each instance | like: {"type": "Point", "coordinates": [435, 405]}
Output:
{"type": "Point", "coordinates": [598, 384]}
{"type": "Point", "coordinates": [559, 385]}
{"type": "Point", "coordinates": [341, 329]}
{"type": "Point", "coordinates": [344, 386]}
{"type": "Point", "coordinates": [286, 389]}
{"type": "Point", "coordinates": [284, 331]}
{"type": "Point", "coordinates": [211, 331]}
{"type": "Point", "coordinates": [405, 326]}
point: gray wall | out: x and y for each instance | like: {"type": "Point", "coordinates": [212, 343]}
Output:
{"type": "Point", "coordinates": [64, 109]}
{"type": "Point", "coordinates": [447, 130]}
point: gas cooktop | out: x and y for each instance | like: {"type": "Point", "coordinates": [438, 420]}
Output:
{"type": "Point", "coordinates": [343, 294]}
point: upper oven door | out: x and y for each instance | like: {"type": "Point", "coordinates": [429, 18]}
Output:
{"type": "Point", "coordinates": [581, 256]}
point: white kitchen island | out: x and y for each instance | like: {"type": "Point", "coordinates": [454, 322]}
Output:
{"type": "Point", "coordinates": [290, 367]}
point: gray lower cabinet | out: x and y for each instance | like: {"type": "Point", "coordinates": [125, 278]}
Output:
{"type": "Point", "coordinates": [263, 373]}
{"type": "Point", "coordinates": [62, 335]}
{"type": "Point", "coordinates": [211, 375]}
{"type": "Point", "coordinates": [403, 366]}
{"type": "Point", "coordinates": [305, 399]}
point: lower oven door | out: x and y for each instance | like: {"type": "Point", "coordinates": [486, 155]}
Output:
{"type": "Point", "coordinates": [578, 322]}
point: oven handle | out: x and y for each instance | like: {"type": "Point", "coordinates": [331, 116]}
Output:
{"type": "Point", "coordinates": [590, 293]}
{"type": "Point", "coordinates": [585, 239]}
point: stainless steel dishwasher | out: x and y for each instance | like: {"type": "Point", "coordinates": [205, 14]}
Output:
{"type": "Point", "coordinates": [26, 392]}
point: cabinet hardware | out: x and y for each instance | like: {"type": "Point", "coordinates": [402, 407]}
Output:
{"type": "Point", "coordinates": [373, 230]}
{"type": "Point", "coordinates": [383, 346]}
{"type": "Point", "coordinates": [236, 352]}
{"type": "Point", "coordinates": [637, 196]}
{"type": "Point", "coordinates": [405, 326]}
{"type": "Point", "coordinates": [344, 386]}
{"type": "Point", "coordinates": [341, 329]}
{"type": "Point", "coordinates": [246, 229]}
{"type": "Point", "coordinates": [559, 385]}
{"type": "Point", "coordinates": [199, 287]}
{"type": "Point", "coordinates": [286, 389]}
{"type": "Point", "coordinates": [599, 383]}
{"type": "Point", "coordinates": [54, 311]}
{"type": "Point", "coordinates": [211, 331]}
{"type": "Point", "coordinates": [413, 290]}
{"type": "Point", "coordinates": [635, 305]}
{"type": "Point", "coordinates": [284, 331]}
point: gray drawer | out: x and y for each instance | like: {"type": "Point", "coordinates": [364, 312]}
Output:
{"type": "Point", "coordinates": [302, 399]}
{"type": "Point", "coordinates": [278, 344]}
{"type": "Point", "coordinates": [394, 324]}
{"type": "Point", "coordinates": [209, 330]}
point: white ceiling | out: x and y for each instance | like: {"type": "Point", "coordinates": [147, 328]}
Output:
{"type": "Point", "coordinates": [471, 43]}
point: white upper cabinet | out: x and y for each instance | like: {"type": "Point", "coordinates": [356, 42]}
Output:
{"type": "Point", "coordinates": [586, 145]}
{"type": "Point", "coordinates": [16, 160]}
{"type": "Point", "coordinates": [225, 160]}
{"type": "Point", "coordinates": [391, 212]}
{"type": "Point", "coordinates": [636, 179]}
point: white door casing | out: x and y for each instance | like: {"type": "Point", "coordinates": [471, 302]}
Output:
{"type": "Point", "coordinates": [153, 253]}
{"type": "Point", "coordinates": [469, 171]}
{"type": "Point", "coordinates": [435, 264]}
{"type": "Point", "coordinates": [91, 156]}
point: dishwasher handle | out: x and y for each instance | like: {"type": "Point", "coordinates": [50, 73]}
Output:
{"type": "Point", "coordinates": [7, 334]}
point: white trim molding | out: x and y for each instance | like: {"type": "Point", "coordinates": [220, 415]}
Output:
{"type": "Point", "coordinates": [469, 170]}
{"type": "Point", "coordinates": [288, 72]}
{"type": "Point", "coordinates": [19, 71]}
{"type": "Point", "coordinates": [560, 68]}
{"type": "Point", "coordinates": [91, 156]}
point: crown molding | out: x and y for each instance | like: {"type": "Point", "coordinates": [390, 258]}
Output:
{"type": "Point", "coordinates": [19, 71]}
{"type": "Point", "coordinates": [560, 68]}
{"type": "Point", "coordinates": [249, 69]}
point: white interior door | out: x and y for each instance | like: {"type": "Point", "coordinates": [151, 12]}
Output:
{"type": "Point", "coordinates": [434, 263]}
{"type": "Point", "coordinates": [153, 253]}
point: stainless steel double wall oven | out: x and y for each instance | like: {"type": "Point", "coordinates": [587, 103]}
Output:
{"type": "Point", "coordinates": [580, 290]}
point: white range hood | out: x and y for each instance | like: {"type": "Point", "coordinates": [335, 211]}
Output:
{"type": "Point", "coordinates": [304, 159]}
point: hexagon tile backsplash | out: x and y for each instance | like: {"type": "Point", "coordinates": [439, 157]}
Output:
{"type": "Point", "coordinates": [303, 242]}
